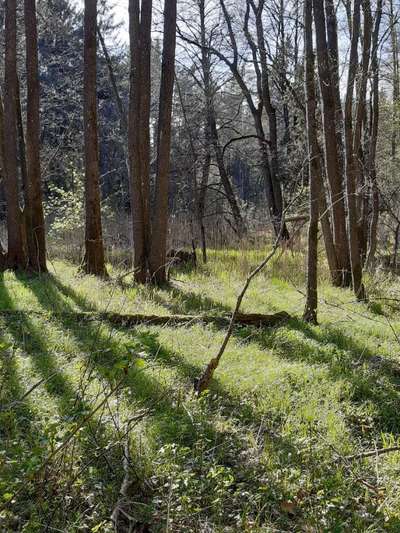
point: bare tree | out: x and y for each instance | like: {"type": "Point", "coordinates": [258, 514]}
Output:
{"type": "Point", "coordinates": [372, 225]}
{"type": "Point", "coordinates": [158, 254]}
{"type": "Point", "coordinates": [94, 250]}
{"type": "Point", "coordinates": [140, 16]}
{"type": "Point", "coordinates": [314, 165]}
{"type": "Point", "coordinates": [333, 155]}
{"type": "Point", "coordinates": [353, 138]}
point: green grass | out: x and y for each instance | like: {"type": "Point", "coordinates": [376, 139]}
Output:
{"type": "Point", "coordinates": [261, 451]}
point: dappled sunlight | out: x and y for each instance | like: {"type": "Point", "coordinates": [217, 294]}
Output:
{"type": "Point", "coordinates": [277, 392]}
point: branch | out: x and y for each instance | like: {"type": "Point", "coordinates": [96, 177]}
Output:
{"type": "Point", "coordinates": [242, 138]}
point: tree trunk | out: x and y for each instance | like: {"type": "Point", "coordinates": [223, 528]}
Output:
{"type": "Point", "coordinates": [310, 311]}
{"type": "Point", "coordinates": [21, 145]}
{"type": "Point", "coordinates": [158, 255]}
{"type": "Point", "coordinates": [140, 17]}
{"type": "Point", "coordinates": [2, 136]}
{"type": "Point", "coordinates": [327, 233]}
{"type": "Point", "coordinates": [351, 139]}
{"type": "Point", "coordinates": [333, 159]}
{"type": "Point", "coordinates": [201, 200]}
{"type": "Point", "coordinates": [94, 251]}
{"type": "Point", "coordinates": [373, 225]}
{"type": "Point", "coordinates": [212, 125]}
{"type": "Point", "coordinates": [36, 238]}
{"type": "Point", "coordinates": [16, 255]}
{"type": "Point", "coordinates": [393, 263]}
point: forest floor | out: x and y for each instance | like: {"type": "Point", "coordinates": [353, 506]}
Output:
{"type": "Point", "coordinates": [266, 449]}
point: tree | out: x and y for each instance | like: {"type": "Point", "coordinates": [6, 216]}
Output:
{"type": "Point", "coordinates": [150, 234]}
{"type": "Point", "coordinates": [314, 165]}
{"type": "Point", "coordinates": [140, 17]}
{"type": "Point", "coordinates": [332, 145]}
{"type": "Point", "coordinates": [353, 137]}
{"type": "Point", "coordinates": [158, 253]}
{"type": "Point", "coordinates": [16, 254]}
{"type": "Point", "coordinates": [34, 218]}
{"type": "Point", "coordinates": [94, 250]}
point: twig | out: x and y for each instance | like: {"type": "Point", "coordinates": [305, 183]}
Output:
{"type": "Point", "coordinates": [372, 453]}
{"type": "Point", "coordinates": [202, 383]}
{"type": "Point", "coordinates": [27, 393]}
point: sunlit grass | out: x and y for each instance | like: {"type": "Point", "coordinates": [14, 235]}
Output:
{"type": "Point", "coordinates": [284, 405]}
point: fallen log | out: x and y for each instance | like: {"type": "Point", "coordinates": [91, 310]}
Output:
{"type": "Point", "coordinates": [117, 319]}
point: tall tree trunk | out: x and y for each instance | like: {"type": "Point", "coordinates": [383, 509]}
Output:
{"type": "Point", "coordinates": [16, 255]}
{"type": "Point", "coordinates": [2, 138]}
{"type": "Point", "coordinates": [373, 224]}
{"type": "Point", "coordinates": [396, 76]}
{"type": "Point", "coordinates": [23, 167]}
{"type": "Point", "coordinates": [201, 200]}
{"type": "Point", "coordinates": [310, 311]}
{"type": "Point", "coordinates": [94, 251]}
{"type": "Point", "coordinates": [351, 138]}
{"type": "Point", "coordinates": [327, 230]}
{"type": "Point", "coordinates": [35, 226]}
{"type": "Point", "coordinates": [3, 255]}
{"type": "Point", "coordinates": [140, 16]}
{"type": "Point", "coordinates": [158, 255]}
{"type": "Point", "coordinates": [333, 159]}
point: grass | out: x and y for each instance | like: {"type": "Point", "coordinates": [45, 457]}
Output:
{"type": "Point", "coordinates": [261, 451]}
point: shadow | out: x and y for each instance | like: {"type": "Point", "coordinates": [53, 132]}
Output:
{"type": "Point", "coordinates": [171, 420]}
{"type": "Point", "coordinates": [372, 378]}
{"type": "Point", "coordinates": [174, 418]}
{"type": "Point", "coordinates": [72, 405]}
{"type": "Point", "coordinates": [105, 345]}
{"type": "Point", "coordinates": [185, 302]}
{"type": "Point", "coordinates": [19, 432]}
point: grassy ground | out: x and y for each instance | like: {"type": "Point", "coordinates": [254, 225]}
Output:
{"type": "Point", "coordinates": [264, 450]}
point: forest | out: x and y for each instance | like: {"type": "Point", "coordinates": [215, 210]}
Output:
{"type": "Point", "coordinates": [199, 266]}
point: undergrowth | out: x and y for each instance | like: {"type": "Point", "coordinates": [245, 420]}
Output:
{"type": "Point", "coordinates": [85, 405]}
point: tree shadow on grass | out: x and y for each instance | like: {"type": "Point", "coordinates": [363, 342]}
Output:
{"type": "Point", "coordinates": [29, 337]}
{"type": "Point", "coordinates": [172, 422]}
{"type": "Point", "coordinates": [344, 357]}
{"type": "Point", "coordinates": [106, 345]}
{"type": "Point", "coordinates": [372, 378]}
{"type": "Point", "coordinates": [18, 428]}
{"type": "Point", "coordinates": [178, 301]}
{"type": "Point", "coordinates": [168, 408]}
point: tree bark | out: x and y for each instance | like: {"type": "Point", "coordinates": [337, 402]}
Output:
{"type": "Point", "coordinates": [35, 226]}
{"type": "Point", "coordinates": [352, 143]}
{"type": "Point", "coordinates": [373, 224]}
{"type": "Point", "coordinates": [327, 231]}
{"type": "Point", "coordinates": [333, 159]}
{"type": "Point", "coordinates": [140, 17]}
{"type": "Point", "coordinates": [16, 255]}
{"type": "Point", "coordinates": [94, 262]}
{"type": "Point", "coordinates": [158, 255]}
{"type": "Point", "coordinates": [310, 311]}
